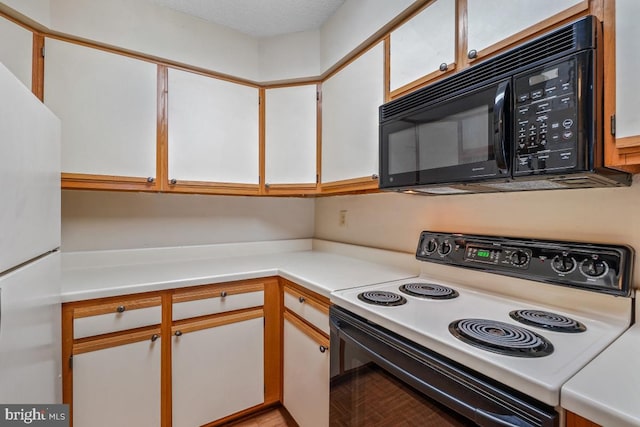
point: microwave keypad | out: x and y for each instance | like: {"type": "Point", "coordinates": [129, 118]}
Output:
{"type": "Point", "coordinates": [545, 125]}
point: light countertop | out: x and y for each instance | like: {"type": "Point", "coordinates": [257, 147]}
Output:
{"type": "Point", "coordinates": [607, 390]}
{"type": "Point", "coordinates": [87, 277]}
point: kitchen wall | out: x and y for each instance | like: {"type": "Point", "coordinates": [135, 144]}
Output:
{"type": "Point", "coordinates": [394, 221]}
{"type": "Point", "coordinates": [108, 220]}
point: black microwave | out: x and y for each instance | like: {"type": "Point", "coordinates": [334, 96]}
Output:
{"type": "Point", "coordinates": [527, 119]}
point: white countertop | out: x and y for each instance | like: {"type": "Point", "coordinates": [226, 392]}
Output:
{"type": "Point", "coordinates": [607, 390]}
{"type": "Point", "coordinates": [125, 272]}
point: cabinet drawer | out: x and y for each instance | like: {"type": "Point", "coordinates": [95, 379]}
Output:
{"type": "Point", "coordinates": [217, 299]}
{"type": "Point", "coordinates": [308, 308]}
{"type": "Point", "coordinates": [116, 316]}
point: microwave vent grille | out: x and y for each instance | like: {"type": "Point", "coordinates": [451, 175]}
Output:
{"type": "Point", "coordinates": [553, 45]}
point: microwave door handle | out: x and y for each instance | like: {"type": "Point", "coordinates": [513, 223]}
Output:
{"type": "Point", "coordinates": [500, 121]}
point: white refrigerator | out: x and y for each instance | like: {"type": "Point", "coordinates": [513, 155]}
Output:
{"type": "Point", "coordinates": [30, 350]}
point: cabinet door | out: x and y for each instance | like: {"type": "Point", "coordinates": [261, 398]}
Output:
{"type": "Point", "coordinates": [107, 104]}
{"type": "Point", "coordinates": [627, 65]}
{"type": "Point", "coordinates": [213, 130]}
{"type": "Point", "coordinates": [423, 43]}
{"type": "Point", "coordinates": [16, 54]}
{"type": "Point", "coordinates": [350, 101]}
{"type": "Point", "coordinates": [118, 386]}
{"type": "Point", "coordinates": [291, 135]}
{"type": "Point", "coordinates": [491, 21]}
{"type": "Point", "coordinates": [306, 373]}
{"type": "Point", "coordinates": [216, 371]}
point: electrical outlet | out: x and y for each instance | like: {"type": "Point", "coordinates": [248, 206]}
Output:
{"type": "Point", "coordinates": [342, 221]}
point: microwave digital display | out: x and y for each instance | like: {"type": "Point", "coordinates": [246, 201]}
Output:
{"type": "Point", "coordinates": [544, 76]}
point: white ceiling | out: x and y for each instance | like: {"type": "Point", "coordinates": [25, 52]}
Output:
{"type": "Point", "coordinates": [259, 18]}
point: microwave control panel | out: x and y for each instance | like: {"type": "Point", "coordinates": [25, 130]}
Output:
{"type": "Point", "coordinates": [546, 128]}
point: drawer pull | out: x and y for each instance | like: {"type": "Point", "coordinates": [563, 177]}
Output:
{"type": "Point", "coordinates": [301, 299]}
{"type": "Point", "coordinates": [323, 349]}
{"type": "Point", "coordinates": [121, 309]}
{"type": "Point", "coordinates": [223, 294]}
{"type": "Point", "coordinates": [154, 337]}
{"type": "Point", "coordinates": [178, 333]}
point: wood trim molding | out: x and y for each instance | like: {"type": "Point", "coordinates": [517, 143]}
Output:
{"type": "Point", "coordinates": [97, 309]}
{"type": "Point", "coordinates": [367, 184]}
{"type": "Point", "coordinates": [67, 352]}
{"type": "Point", "coordinates": [387, 68]}
{"type": "Point", "coordinates": [316, 301]}
{"type": "Point", "coordinates": [318, 136]}
{"type": "Point", "coordinates": [319, 337]}
{"type": "Point", "coordinates": [166, 382]}
{"type": "Point", "coordinates": [262, 135]}
{"type": "Point", "coordinates": [629, 142]}
{"type": "Point", "coordinates": [290, 189]}
{"type": "Point", "coordinates": [86, 345]}
{"type": "Point", "coordinates": [222, 188]}
{"type": "Point", "coordinates": [189, 325]}
{"type": "Point", "coordinates": [37, 66]}
{"type": "Point", "coordinates": [273, 339]}
{"type": "Point", "coordinates": [80, 181]}
{"type": "Point", "coordinates": [162, 129]}
{"type": "Point", "coordinates": [214, 291]}
{"type": "Point", "coordinates": [462, 29]}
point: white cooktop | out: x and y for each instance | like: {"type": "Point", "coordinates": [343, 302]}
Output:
{"type": "Point", "coordinates": [426, 322]}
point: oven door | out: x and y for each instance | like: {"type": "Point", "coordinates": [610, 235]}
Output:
{"type": "Point", "coordinates": [465, 138]}
{"type": "Point", "coordinates": [380, 379]}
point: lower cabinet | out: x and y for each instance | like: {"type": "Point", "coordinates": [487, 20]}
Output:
{"type": "Point", "coordinates": [306, 373]}
{"type": "Point", "coordinates": [217, 368]}
{"type": "Point", "coordinates": [118, 385]}
{"type": "Point", "coordinates": [575, 420]}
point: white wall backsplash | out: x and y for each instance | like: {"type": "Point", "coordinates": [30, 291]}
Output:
{"type": "Point", "coordinates": [110, 220]}
{"type": "Point", "coordinates": [394, 221]}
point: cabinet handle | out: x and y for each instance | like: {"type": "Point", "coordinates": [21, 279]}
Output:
{"type": "Point", "coordinates": [323, 349]}
{"type": "Point", "coordinates": [223, 294]}
{"type": "Point", "coordinates": [472, 54]}
{"type": "Point", "coordinates": [154, 337]}
{"type": "Point", "coordinates": [374, 176]}
{"type": "Point", "coordinates": [121, 309]}
{"type": "Point", "coordinates": [150, 179]}
{"type": "Point", "coordinates": [173, 181]}
{"type": "Point", "coordinates": [444, 66]}
{"type": "Point", "coordinates": [267, 185]}
{"type": "Point", "coordinates": [178, 333]}
{"type": "Point", "coordinates": [301, 299]}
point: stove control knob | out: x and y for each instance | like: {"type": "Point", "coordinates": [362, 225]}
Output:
{"type": "Point", "coordinates": [430, 246]}
{"type": "Point", "coordinates": [563, 263]}
{"type": "Point", "coordinates": [519, 258]}
{"type": "Point", "coordinates": [444, 248]}
{"type": "Point", "coordinates": [594, 267]}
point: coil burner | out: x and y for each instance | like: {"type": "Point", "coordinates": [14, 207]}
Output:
{"type": "Point", "coordinates": [547, 320]}
{"type": "Point", "coordinates": [501, 338]}
{"type": "Point", "coordinates": [382, 298]}
{"type": "Point", "coordinates": [428, 290]}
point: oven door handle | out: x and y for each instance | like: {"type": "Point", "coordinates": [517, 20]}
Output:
{"type": "Point", "coordinates": [500, 126]}
{"type": "Point", "coordinates": [483, 416]}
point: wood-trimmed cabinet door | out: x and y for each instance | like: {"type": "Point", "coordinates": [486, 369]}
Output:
{"type": "Point", "coordinates": [574, 420]}
{"type": "Point", "coordinates": [306, 373]}
{"type": "Point", "coordinates": [291, 139]}
{"type": "Point", "coordinates": [424, 47]}
{"type": "Point", "coordinates": [118, 385]}
{"type": "Point", "coordinates": [494, 24]}
{"type": "Point", "coordinates": [213, 134]}
{"type": "Point", "coordinates": [108, 106]}
{"type": "Point", "coordinates": [217, 367]}
{"type": "Point", "coordinates": [350, 101]}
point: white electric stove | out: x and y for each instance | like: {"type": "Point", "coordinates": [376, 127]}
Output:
{"type": "Point", "coordinates": [560, 305]}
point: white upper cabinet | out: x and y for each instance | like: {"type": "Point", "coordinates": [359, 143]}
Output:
{"type": "Point", "coordinates": [15, 50]}
{"type": "Point", "coordinates": [290, 132]}
{"type": "Point", "coordinates": [213, 129]}
{"type": "Point", "coordinates": [350, 101]}
{"type": "Point", "coordinates": [627, 65]}
{"type": "Point", "coordinates": [423, 43]}
{"type": "Point", "coordinates": [491, 21]}
{"type": "Point", "coordinates": [107, 105]}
